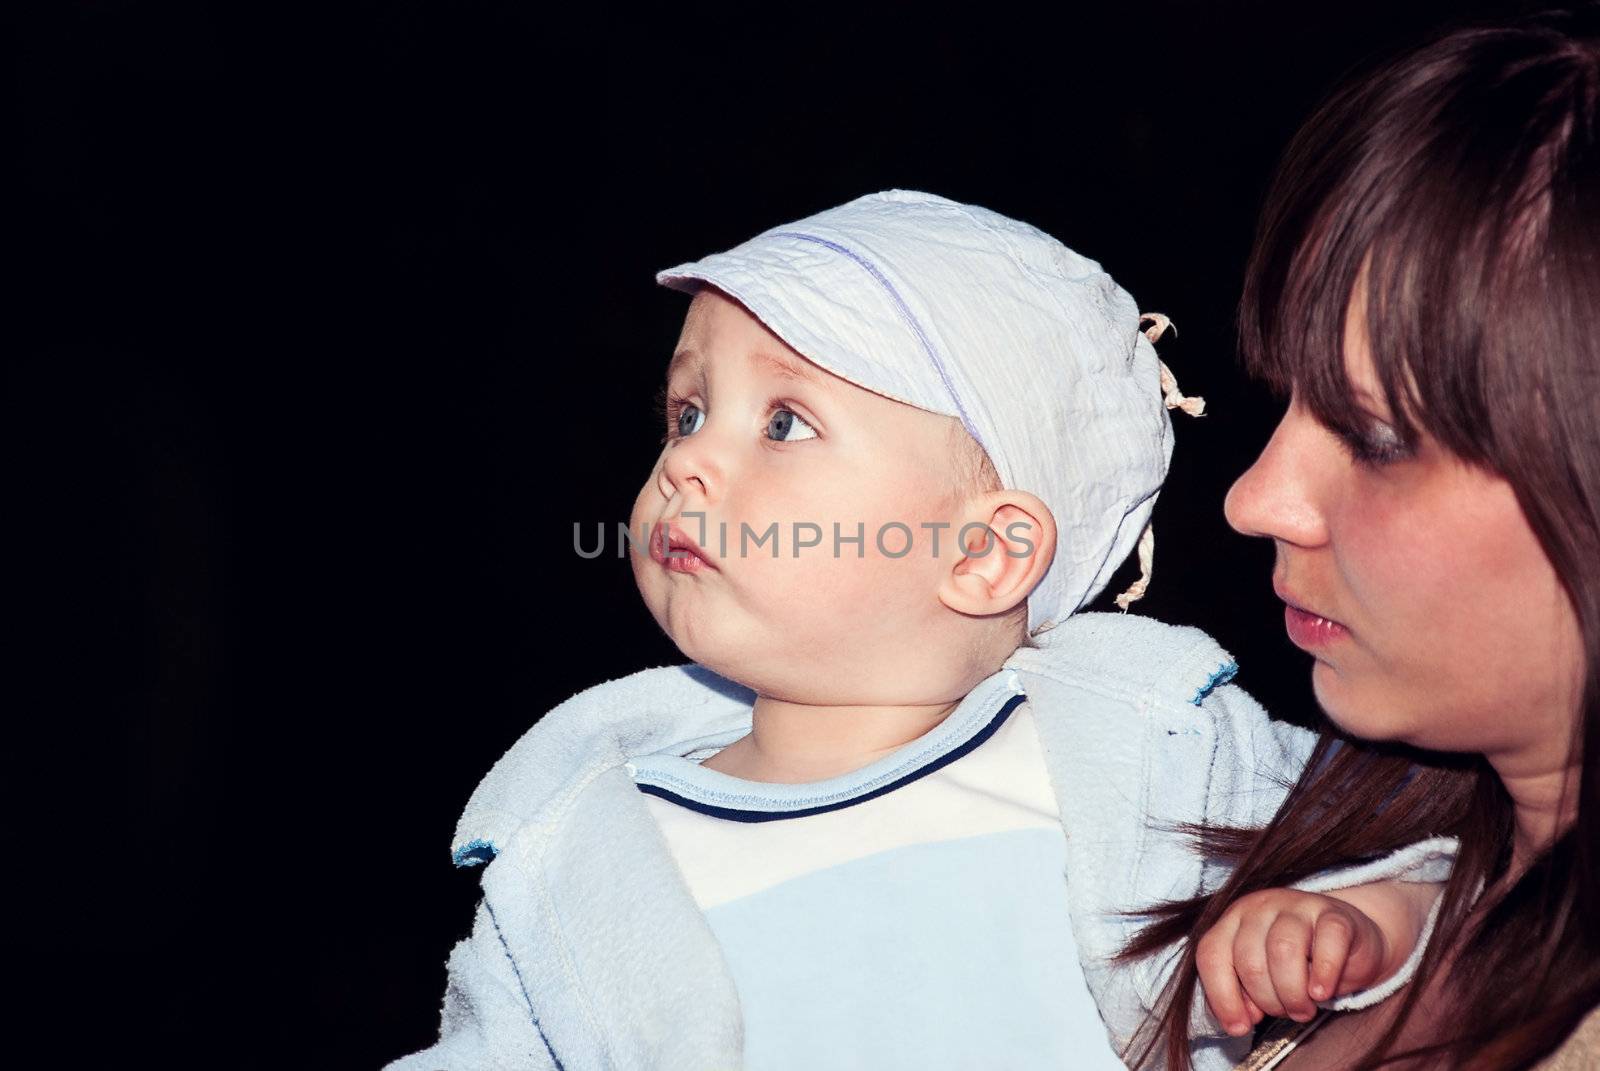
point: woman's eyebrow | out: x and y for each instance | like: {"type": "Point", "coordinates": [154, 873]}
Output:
{"type": "Point", "coordinates": [1371, 404]}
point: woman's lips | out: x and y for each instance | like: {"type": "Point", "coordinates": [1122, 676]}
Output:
{"type": "Point", "coordinates": [1310, 631]}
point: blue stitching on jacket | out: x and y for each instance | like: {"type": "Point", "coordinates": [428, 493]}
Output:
{"type": "Point", "coordinates": [1223, 675]}
{"type": "Point", "coordinates": [905, 314]}
{"type": "Point", "coordinates": [520, 985]}
{"type": "Point", "coordinates": [475, 852]}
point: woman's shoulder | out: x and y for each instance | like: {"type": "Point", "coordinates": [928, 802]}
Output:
{"type": "Point", "coordinates": [1581, 1050]}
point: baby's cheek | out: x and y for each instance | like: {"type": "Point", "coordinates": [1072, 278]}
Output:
{"type": "Point", "coordinates": [900, 591]}
{"type": "Point", "coordinates": [823, 582]}
{"type": "Point", "coordinates": [647, 503]}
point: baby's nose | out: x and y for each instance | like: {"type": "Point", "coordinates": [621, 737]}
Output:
{"type": "Point", "coordinates": [679, 473]}
{"type": "Point", "coordinates": [671, 485]}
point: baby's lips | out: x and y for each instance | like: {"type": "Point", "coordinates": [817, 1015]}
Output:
{"type": "Point", "coordinates": [677, 541]}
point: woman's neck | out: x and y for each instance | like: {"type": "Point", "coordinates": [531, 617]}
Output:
{"type": "Point", "coordinates": [1544, 796]}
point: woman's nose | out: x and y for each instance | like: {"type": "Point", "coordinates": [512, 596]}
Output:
{"type": "Point", "coordinates": [1280, 496]}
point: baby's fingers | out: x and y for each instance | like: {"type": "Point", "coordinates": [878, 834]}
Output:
{"type": "Point", "coordinates": [1364, 965]}
{"type": "Point", "coordinates": [1214, 960]}
{"type": "Point", "coordinates": [1329, 948]}
{"type": "Point", "coordinates": [1288, 948]}
{"type": "Point", "coordinates": [1253, 964]}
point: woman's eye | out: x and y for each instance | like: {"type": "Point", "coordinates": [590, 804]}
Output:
{"type": "Point", "coordinates": [1378, 445]}
{"type": "Point", "coordinates": [785, 421]}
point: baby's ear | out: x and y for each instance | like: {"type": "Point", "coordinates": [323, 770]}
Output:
{"type": "Point", "coordinates": [1001, 551]}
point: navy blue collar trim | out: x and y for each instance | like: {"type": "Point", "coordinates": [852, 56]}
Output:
{"type": "Point", "coordinates": [738, 815]}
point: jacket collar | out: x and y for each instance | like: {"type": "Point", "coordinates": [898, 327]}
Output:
{"type": "Point", "coordinates": [688, 706]}
{"type": "Point", "coordinates": [619, 963]}
{"type": "Point", "coordinates": [599, 728]}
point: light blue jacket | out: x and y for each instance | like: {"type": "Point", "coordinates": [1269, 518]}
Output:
{"type": "Point", "coordinates": [588, 950]}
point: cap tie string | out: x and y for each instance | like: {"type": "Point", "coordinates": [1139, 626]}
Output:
{"type": "Point", "coordinates": [1175, 399]}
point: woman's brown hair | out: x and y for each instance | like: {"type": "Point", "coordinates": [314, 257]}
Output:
{"type": "Point", "coordinates": [1460, 184]}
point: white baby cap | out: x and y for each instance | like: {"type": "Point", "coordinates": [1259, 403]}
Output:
{"type": "Point", "coordinates": [962, 311]}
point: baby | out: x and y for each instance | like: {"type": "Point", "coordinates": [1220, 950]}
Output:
{"type": "Point", "coordinates": [900, 808]}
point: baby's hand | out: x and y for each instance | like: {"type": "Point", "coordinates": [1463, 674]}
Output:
{"type": "Point", "coordinates": [1277, 951]}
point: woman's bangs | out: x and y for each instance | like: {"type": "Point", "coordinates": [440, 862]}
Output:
{"type": "Point", "coordinates": [1404, 251]}
{"type": "Point", "coordinates": [1293, 321]}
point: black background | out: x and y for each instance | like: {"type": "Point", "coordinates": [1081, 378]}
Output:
{"type": "Point", "coordinates": [331, 319]}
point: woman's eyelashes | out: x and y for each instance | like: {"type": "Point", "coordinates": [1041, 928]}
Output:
{"type": "Point", "coordinates": [683, 418]}
{"type": "Point", "coordinates": [1376, 445]}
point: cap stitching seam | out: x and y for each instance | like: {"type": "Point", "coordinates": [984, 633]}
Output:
{"type": "Point", "coordinates": [906, 315]}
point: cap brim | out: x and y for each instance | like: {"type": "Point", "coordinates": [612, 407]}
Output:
{"type": "Point", "coordinates": [825, 309]}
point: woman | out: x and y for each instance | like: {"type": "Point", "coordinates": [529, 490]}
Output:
{"type": "Point", "coordinates": [1423, 288]}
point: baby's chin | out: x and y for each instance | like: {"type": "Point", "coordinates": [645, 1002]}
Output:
{"type": "Point", "coordinates": [818, 659]}
{"type": "Point", "coordinates": [733, 648]}
{"type": "Point", "coordinates": [720, 649]}
{"type": "Point", "coordinates": [700, 635]}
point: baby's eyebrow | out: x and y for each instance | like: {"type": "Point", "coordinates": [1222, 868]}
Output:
{"type": "Point", "coordinates": [788, 368]}
{"type": "Point", "coordinates": [782, 365]}
{"type": "Point", "coordinates": [686, 359]}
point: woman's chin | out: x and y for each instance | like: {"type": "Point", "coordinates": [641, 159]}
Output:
{"type": "Point", "coordinates": [1353, 709]}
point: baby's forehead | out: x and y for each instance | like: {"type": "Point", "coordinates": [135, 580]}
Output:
{"type": "Point", "coordinates": [695, 360]}
{"type": "Point", "coordinates": [717, 330]}
{"type": "Point", "coordinates": [720, 332]}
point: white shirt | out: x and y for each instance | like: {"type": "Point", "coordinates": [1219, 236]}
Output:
{"type": "Point", "coordinates": [911, 913]}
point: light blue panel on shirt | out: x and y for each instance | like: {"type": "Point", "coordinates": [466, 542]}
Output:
{"type": "Point", "coordinates": [973, 962]}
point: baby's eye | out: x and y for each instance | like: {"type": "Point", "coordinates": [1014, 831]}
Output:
{"type": "Point", "coordinates": [786, 420]}
{"type": "Point", "coordinates": [689, 419]}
